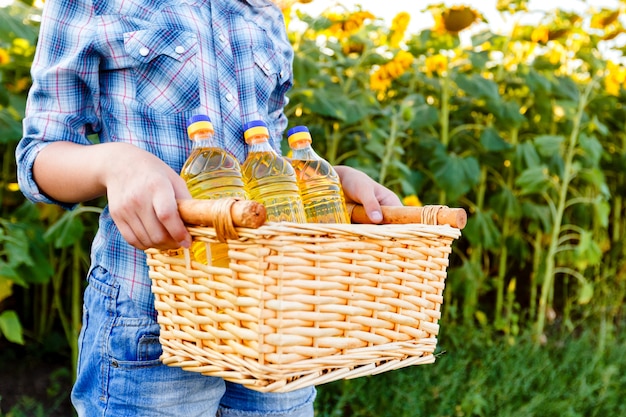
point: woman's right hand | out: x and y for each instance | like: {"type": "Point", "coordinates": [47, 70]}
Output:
{"type": "Point", "coordinates": [141, 189]}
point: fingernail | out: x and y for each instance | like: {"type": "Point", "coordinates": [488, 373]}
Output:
{"type": "Point", "coordinates": [184, 244]}
{"type": "Point", "coordinates": [376, 216]}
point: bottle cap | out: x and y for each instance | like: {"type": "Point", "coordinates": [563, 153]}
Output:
{"type": "Point", "coordinates": [298, 133]}
{"type": "Point", "coordinates": [199, 122]}
{"type": "Point", "coordinates": [198, 118]}
{"type": "Point", "coordinates": [255, 128]}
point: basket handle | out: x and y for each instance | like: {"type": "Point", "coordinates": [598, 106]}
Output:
{"type": "Point", "coordinates": [455, 217]}
{"type": "Point", "coordinates": [232, 211]}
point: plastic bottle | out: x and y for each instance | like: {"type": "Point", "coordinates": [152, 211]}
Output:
{"type": "Point", "coordinates": [320, 187]}
{"type": "Point", "coordinates": [210, 173]}
{"type": "Point", "coordinates": [270, 178]}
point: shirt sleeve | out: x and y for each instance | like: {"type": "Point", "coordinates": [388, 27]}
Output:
{"type": "Point", "coordinates": [61, 104]}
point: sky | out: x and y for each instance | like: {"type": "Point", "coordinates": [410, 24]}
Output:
{"type": "Point", "coordinates": [387, 9]}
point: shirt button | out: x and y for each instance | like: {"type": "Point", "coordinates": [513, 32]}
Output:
{"type": "Point", "coordinates": [222, 38]}
{"type": "Point", "coordinates": [144, 51]}
{"type": "Point", "coordinates": [179, 50]}
{"type": "Point", "coordinates": [229, 97]}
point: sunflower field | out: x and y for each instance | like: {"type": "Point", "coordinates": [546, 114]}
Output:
{"type": "Point", "coordinates": [524, 128]}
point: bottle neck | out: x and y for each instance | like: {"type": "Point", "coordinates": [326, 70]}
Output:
{"type": "Point", "coordinates": [203, 138]}
{"type": "Point", "coordinates": [259, 143]}
{"type": "Point", "coordinates": [302, 150]}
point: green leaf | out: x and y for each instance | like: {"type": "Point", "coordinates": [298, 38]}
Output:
{"type": "Point", "coordinates": [424, 115]}
{"type": "Point", "coordinates": [376, 147]}
{"type": "Point", "coordinates": [527, 156]}
{"type": "Point", "coordinates": [602, 211]}
{"type": "Point", "coordinates": [506, 203]}
{"type": "Point", "coordinates": [566, 88]}
{"type": "Point", "coordinates": [304, 69]}
{"type": "Point", "coordinates": [11, 327]}
{"type": "Point", "coordinates": [537, 82]}
{"type": "Point", "coordinates": [508, 113]}
{"type": "Point", "coordinates": [592, 148]}
{"type": "Point", "coordinates": [491, 140]}
{"type": "Point", "coordinates": [597, 179]}
{"type": "Point", "coordinates": [481, 230]}
{"type": "Point", "coordinates": [585, 293]}
{"type": "Point", "coordinates": [66, 231]}
{"type": "Point", "coordinates": [16, 245]}
{"type": "Point", "coordinates": [454, 174]}
{"type": "Point", "coordinates": [8, 272]}
{"type": "Point", "coordinates": [548, 145]}
{"type": "Point", "coordinates": [533, 180]}
{"type": "Point", "coordinates": [538, 213]}
{"type": "Point", "coordinates": [6, 288]}
{"type": "Point", "coordinates": [478, 87]}
{"type": "Point", "coordinates": [42, 270]}
{"type": "Point", "coordinates": [599, 126]}
{"type": "Point", "coordinates": [588, 253]}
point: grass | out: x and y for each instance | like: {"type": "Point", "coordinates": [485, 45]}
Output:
{"type": "Point", "coordinates": [481, 376]}
{"type": "Point", "coordinates": [477, 373]}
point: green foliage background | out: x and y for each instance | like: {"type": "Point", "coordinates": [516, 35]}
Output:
{"type": "Point", "coordinates": [524, 130]}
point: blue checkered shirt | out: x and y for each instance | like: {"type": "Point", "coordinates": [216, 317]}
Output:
{"type": "Point", "coordinates": [134, 71]}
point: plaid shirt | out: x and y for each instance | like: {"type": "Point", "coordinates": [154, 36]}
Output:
{"type": "Point", "coordinates": [134, 71]}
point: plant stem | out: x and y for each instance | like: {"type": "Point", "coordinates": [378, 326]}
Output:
{"type": "Point", "coordinates": [548, 280]}
{"type": "Point", "coordinates": [6, 165]}
{"type": "Point", "coordinates": [506, 230]}
{"type": "Point", "coordinates": [333, 144]}
{"type": "Point", "coordinates": [444, 122]}
{"type": "Point", "coordinates": [537, 252]}
{"type": "Point", "coordinates": [476, 257]}
{"type": "Point", "coordinates": [391, 142]}
{"type": "Point", "coordinates": [76, 304]}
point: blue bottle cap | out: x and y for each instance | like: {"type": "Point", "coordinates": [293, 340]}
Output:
{"type": "Point", "coordinates": [297, 129]}
{"type": "Point", "coordinates": [254, 123]}
{"type": "Point", "coordinates": [198, 118]}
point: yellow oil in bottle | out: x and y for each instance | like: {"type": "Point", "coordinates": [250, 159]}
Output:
{"type": "Point", "coordinates": [319, 184]}
{"type": "Point", "coordinates": [210, 173]}
{"type": "Point", "coordinates": [269, 178]}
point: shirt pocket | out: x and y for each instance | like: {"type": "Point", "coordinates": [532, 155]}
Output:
{"type": "Point", "coordinates": [164, 67]}
{"type": "Point", "coordinates": [273, 74]}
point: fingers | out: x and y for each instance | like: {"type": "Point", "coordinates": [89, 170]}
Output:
{"type": "Point", "coordinates": [386, 197]}
{"type": "Point", "coordinates": [148, 217]}
{"type": "Point", "coordinates": [360, 188]}
{"type": "Point", "coordinates": [153, 226]}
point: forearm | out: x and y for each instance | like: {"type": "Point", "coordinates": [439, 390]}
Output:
{"type": "Point", "coordinates": [141, 189]}
{"type": "Point", "coordinates": [72, 173]}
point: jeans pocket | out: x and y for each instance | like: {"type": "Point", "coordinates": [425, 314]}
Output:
{"type": "Point", "coordinates": [134, 343]}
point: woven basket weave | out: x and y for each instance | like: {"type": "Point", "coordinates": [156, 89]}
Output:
{"type": "Point", "coordinates": [304, 304]}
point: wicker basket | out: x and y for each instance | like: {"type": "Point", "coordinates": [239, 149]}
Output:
{"type": "Point", "coordinates": [304, 304]}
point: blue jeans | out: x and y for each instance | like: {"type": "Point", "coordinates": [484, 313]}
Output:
{"type": "Point", "coordinates": [120, 375]}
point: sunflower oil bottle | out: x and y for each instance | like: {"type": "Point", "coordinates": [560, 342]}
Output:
{"type": "Point", "coordinates": [319, 184]}
{"type": "Point", "coordinates": [270, 178]}
{"type": "Point", "coordinates": [210, 173]}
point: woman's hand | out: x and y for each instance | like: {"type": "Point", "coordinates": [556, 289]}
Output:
{"type": "Point", "coordinates": [141, 189]}
{"type": "Point", "coordinates": [358, 187]}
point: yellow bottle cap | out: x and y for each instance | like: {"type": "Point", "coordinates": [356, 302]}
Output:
{"type": "Point", "coordinates": [200, 126]}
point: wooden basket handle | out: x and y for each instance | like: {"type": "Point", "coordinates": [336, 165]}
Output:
{"type": "Point", "coordinates": [243, 213]}
{"type": "Point", "coordinates": [248, 213]}
{"type": "Point", "coordinates": [437, 215]}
